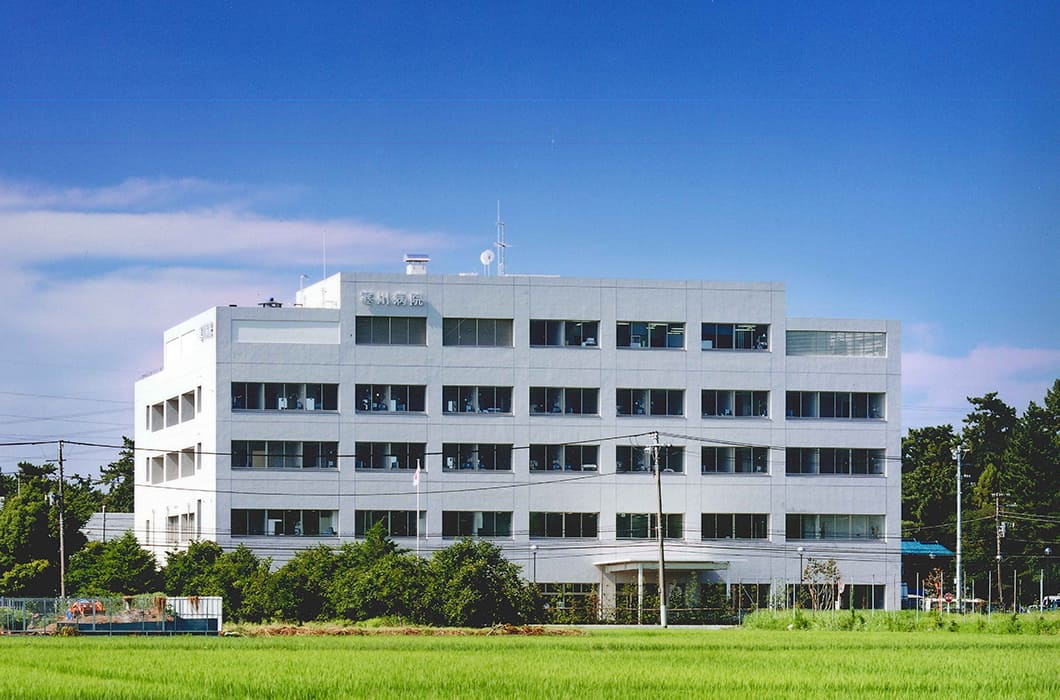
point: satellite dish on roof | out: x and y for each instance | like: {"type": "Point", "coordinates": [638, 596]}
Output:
{"type": "Point", "coordinates": [486, 257]}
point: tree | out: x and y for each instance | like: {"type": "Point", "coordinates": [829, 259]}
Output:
{"type": "Point", "coordinates": [301, 585]}
{"type": "Point", "coordinates": [987, 431]}
{"type": "Point", "coordinates": [394, 585]}
{"type": "Point", "coordinates": [1032, 484]}
{"type": "Point", "coordinates": [238, 572]}
{"type": "Point", "coordinates": [193, 571]}
{"type": "Point", "coordinates": [119, 477]}
{"type": "Point", "coordinates": [374, 577]}
{"type": "Point", "coordinates": [821, 580]}
{"type": "Point", "coordinates": [472, 584]}
{"type": "Point", "coordinates": [929, 487]}
{"type": "Point", "coordinates": [120, 566]}
{"type": "Point", "coordinates": [29, 548]}
{"type": "Point", "coordinates": [205, 569]}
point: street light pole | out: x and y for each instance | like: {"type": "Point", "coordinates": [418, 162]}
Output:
{"type": "Point", "coordinates": [795, 596]}
{"type": "Point", "coordinates": [533, 553]}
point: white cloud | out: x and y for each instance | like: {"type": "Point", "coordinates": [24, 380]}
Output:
{"type": "Point", "coordinates": [134, 193]}
{"type": "Point", "coordinates": [936, 387]}
{"type": "Point", "coordinates": [90, 279]}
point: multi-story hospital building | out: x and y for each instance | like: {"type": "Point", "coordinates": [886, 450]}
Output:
{"type": "Point", "coordinates": [534, 407]}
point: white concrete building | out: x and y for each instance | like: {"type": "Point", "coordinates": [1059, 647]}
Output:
{"type": "Point", "coordinates": [532, 403]}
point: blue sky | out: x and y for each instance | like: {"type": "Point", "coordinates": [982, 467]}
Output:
{"type": "Point", "coordinates": [884, 160]}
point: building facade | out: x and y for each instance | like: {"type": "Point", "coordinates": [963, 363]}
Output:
{"type": "Point", "coordinates": [535, 408]}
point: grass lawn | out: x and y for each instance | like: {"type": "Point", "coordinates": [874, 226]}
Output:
{"type": "Point", "coordinates": [603, 663]}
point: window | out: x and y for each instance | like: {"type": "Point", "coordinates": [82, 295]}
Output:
{"type": "Point", "coordinates": [284, 454]}
{"type": "Point", "coordinates": [391, 330]}
{"type": "Point", "coordinates": [735, 336]}
{"type": "Point", "coordinates": [284, 522]}
{"type": "Point", "coordinates": [564, 458]}
{"type": "Point", "coordinates": [481, 456]}
{"type": "Point", "coordinates": [564, 333]}
{"type": "Point", "coordinates": [173, 529]}
{"type": "Point", "coordinates": [481, 332]}
{"type": "Point", "coordinates": [842, 461]}
{"type": "Point", "coordinates": [846, 343]}
{"type": "Point", "coordinates": [735, 460]}
{"type": "Point", "coordinates": [563, 524]}
{"type": "Point", "coordinates": [833, 527]}
{"type": "Point", "coordinates": [570, 596]}
{"type": "Point", "coordinates": [642, 526]}
{"type": "Point", "coordinates": [738, 403]}
{"type": "Point", "coordinates": [396, 523]}
{"type": "Point", "coordinates": [548, 400]}
{"type": "Point", "coordinates": [391, 397]}
{"type": "Point", "coordinates": [281, 396]}
{"type": "Point", "coordinates": [476, 399]}
{"type": "Point", "coordinates": [476, 523]}
{"type": "Point", "coordinates": [741, 526]}
{"type": "Point", "coordinates": [637, 458]}
{"type": "Point", "coordinates": [835, 404]}
{"type": "Point", "coordinates": [650, 334]}
{"type": "Point", "coordinates": [655, 402]}
{"type": "Point", "coordinates": [390, 455]}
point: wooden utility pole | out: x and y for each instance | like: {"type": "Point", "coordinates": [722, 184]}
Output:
{"type": "Point", "coordinates": [62, 529]}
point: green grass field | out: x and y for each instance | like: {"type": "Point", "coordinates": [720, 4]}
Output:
{"type": "Point", "coordinates": [603, 663]}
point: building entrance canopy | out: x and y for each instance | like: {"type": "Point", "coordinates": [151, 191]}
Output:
{"type": "Point", "coordinates": [676, 563]}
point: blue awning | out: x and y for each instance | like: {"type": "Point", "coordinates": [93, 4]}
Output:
{"type": "Point", "coordinates": [923, 549]}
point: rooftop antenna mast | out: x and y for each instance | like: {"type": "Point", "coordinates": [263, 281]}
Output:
{"type": "Point", "coordinates": [500, 244]}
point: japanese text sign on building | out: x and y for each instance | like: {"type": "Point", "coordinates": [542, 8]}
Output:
{"type": "Point", "coordinates": [377, 298]}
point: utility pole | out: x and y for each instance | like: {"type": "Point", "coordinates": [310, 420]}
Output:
{"type": "Point", "coordinates": [62, 529]}
{"type": "Point", "coordinates": [997, 530]}
{"type": "Point", "coordinates": [659, 524]}
{"type": "Point", "coordinates": [960, 475]}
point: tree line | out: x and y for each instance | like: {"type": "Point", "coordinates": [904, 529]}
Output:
{"type": "Point", "coordinates": [468, 583]}
{"type": "Point", "coordinates": [1010, 490]}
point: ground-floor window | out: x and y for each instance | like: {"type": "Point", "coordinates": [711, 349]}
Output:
{"type": "Point", "coordinates": [570, 602]}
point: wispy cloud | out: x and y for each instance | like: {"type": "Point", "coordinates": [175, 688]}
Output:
{"type": "Point", "coordinates": [91, 277]}
{"type": "Point", "coordinates": [936, 387]}
{"type": "Point", "coordinates": [184, 220]}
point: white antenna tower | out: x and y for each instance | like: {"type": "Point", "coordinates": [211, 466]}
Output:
{"type": "Point", "coordinates": [500, 244]}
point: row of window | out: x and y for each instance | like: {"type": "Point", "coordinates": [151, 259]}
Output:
{"type": "Point", "coordinates": [173, 465]}
{"type": "Point", "coordinates": [555, 525]}
{"type": "Point", "coordinates": [834, 404]}
{"type": "Point", "coordinates": [556, 400]}
{"type": "Point", "coordinates": [833, 460]}
{"type": "Point", "coordinates": [174, 410]}
{"type": "Point", "coordinates": [497, 332]}
{"type": "Point", "coordinates": [285, 396]}
{"type": "Point", "coordinates": [286, 454]}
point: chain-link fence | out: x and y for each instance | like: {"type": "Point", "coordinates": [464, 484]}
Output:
{"type": "Point", "coordinates": [143, 614]}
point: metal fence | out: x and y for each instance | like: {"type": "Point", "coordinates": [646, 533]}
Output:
{"type": "Point", "coordinates": [113, 615]}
